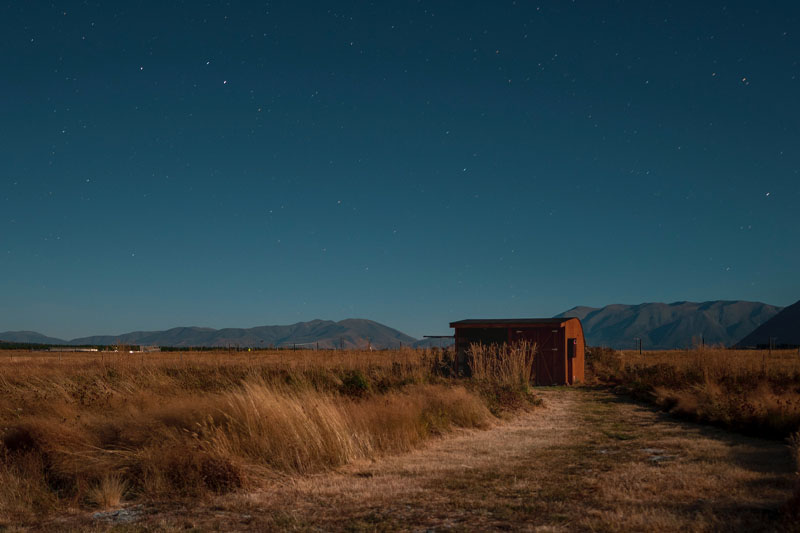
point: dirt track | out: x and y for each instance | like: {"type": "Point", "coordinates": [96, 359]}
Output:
{"type": "Point", "coordinates": [587, 460]}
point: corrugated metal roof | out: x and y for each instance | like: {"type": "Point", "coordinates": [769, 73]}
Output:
{"type": "Point", "coordinates": [509, 321]}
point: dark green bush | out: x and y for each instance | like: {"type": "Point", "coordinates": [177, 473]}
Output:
{"type": "Point", "coordinates": [355, 384]}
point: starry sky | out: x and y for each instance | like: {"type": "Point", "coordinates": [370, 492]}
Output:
{"type": "Point", "coordinates": [233, 164]}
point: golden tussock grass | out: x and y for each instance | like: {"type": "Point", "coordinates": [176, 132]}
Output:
{"type": "Point", "coordinates": [80, 430]}
{"type": "Point", "coordinates": [108, 493]}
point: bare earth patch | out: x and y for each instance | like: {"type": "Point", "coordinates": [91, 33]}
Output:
{"type": "Point", "coordinates": [585, 461]}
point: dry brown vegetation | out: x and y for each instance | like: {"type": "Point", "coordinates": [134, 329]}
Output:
{"type": "Point", "coordinates": [750, 391]}
{"type": "Point", "coordinates": [792, 507]}
{"type": "Point", "coordinates": [334, 441]}
{"type": "Point", "coordinates": [588, 461]}
{"type": "Point", "coordinates": [93, 430]}
{"type": "Point", "coordinates": [508, 365]}
{"type": "Point", "coordinates": [756, 392]}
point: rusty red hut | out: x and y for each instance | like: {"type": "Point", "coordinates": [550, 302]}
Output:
{"type": "Point", "coordinates": [560, 344]}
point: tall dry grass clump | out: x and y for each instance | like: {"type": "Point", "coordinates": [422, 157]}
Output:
{"type": "Point", "coordinates": [108, 493]}
{"type": "Point", "coordinates": [502, 374]}
{"type": "Point", "coordinates": [94, 433]}
{"type": "Point", "coordinates": [506, 364]}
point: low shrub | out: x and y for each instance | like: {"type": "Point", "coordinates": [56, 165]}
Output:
{"type": "Point", "coordinates": [355, 384]}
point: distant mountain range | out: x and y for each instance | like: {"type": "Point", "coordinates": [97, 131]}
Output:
{"type": "Point", "coordinates": [349, 333]}
{"type": "Point", "coordinates": [667, 326]}
{"type": "Point", "coordinates": [29, 337]}
{"type": "Point", "coordinates": [783, 329]}
{"type": "Point", "coordinates": [660, 326]}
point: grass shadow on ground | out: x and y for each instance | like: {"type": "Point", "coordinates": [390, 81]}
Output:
{"type": "Point", "coordinates": [753, 453]}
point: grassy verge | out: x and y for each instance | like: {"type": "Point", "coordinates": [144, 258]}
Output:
{"type": "Point", "coordinates": [749, 391]}
{"type": "Point", "coordinates": [88, 432]}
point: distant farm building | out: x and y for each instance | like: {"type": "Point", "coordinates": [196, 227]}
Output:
{"type": "Point", "coordinates": [71, 349]}
{"type": "Point", "coordinates": [149, 349]}
{"type": "Point", "coordinates": [560, 345]}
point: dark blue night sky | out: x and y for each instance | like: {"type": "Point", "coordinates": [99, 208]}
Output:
{"type": "Point", "coordinates": [242, 163]}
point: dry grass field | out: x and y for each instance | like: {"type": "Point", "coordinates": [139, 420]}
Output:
{"type": "Point", "coordinates": [588, 460]}
{"type": "Point", "coordinates": [384, 441]}
{"type": "Point", "coordinates": [89, 431]}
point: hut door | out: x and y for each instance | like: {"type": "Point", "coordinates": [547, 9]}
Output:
{"type": "Point", "coordinates": [571, 346]}
{"type": "Point", "coordinates": [547, 367]}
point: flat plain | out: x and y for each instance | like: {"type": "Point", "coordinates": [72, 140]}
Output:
{"type": "Point", "coordinates": [561, 459]}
